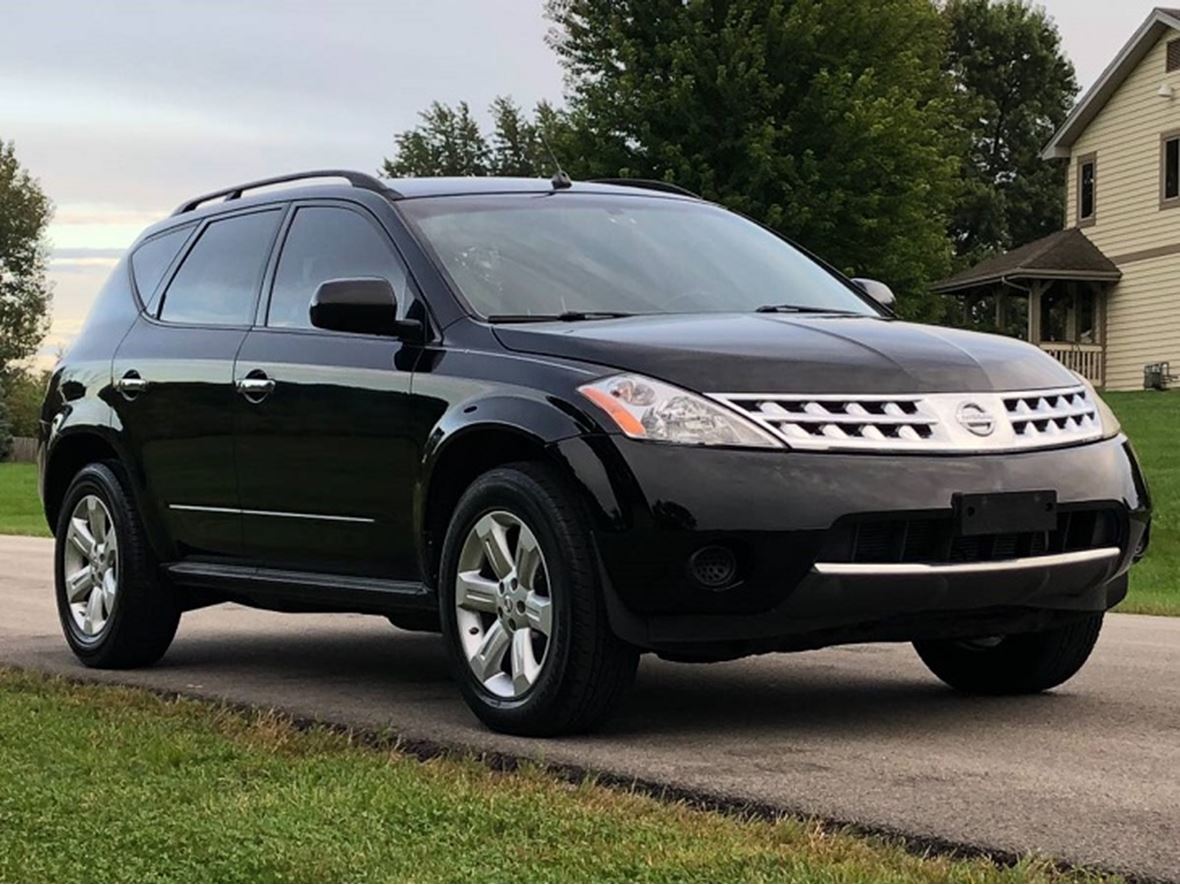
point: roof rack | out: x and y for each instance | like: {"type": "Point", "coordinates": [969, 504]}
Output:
{"type": "Point", "coordinates": [356, 179]}
{"type": "Point", "coordinates": [648, 184]}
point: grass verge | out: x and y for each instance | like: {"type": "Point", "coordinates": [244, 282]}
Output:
{"type": "Point", "coordinates": [114, 784]}
{"type": "Point", "coordinates": [20, 508]}
{"type": "Point", "coordinates": [1150, 419]}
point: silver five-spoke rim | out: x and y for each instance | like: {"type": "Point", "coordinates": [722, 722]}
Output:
{"type": "Point", "coordinates": [91, 565]}
{"type": "Point", "coordinates": [503, 604]}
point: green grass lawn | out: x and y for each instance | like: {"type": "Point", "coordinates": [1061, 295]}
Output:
{"type": "Point", "coordinates": [20, 509]}
{"type": "Point", "coordinates": [112, 784]}
{"type": "Point", "coordinates": [1149, 418]}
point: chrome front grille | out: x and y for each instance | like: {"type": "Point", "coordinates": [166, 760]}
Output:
{"type": "Point", "coordinates": [936, 422]}
{"type": "Point", "coordinates": [1051, 415]}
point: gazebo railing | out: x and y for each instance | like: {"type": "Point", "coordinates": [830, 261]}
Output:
{"type": "Point", "coordinates": [1085, 359]}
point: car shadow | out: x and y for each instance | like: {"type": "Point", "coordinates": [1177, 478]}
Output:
{"type": "Point", "coordinates": [860, 690]}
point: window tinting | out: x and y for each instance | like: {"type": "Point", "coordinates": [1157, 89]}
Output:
{"type": "Point", "coordinates": [1086, 190]}
{"type": "Point", "coordinates": [150, 260]}
{"type": "Point", "coordinates": [1172, 169]}
{"type": "Point", "coordinates": [528, 254]}
{"type": "Point", "coordinates": [219, 276]}
{"type": "Point", "coordinates": [328, 243]}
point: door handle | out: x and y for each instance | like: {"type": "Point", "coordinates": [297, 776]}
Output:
{"type": "Point", "coordinates": [256, 386]}
{"type": "Point", "coordinates": [131, 384]}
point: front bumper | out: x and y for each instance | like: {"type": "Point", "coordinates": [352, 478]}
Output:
{"type": "Point", "coordinates": [657, 504]}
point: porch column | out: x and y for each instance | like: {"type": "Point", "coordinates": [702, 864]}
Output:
{"type": "Point", "coordinates": [1034, 311]}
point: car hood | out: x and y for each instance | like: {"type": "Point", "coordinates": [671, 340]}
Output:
{"type": "Point", "coordinates": [780, 353]}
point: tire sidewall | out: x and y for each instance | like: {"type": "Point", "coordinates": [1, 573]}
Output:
{"type": "Point", "coordinates": [98, 480]}
{"type": "Point", "coordinates": [513, 491]}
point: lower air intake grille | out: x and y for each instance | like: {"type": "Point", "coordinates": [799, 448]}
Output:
{"type": "Point", "coordinates": [933, 539]}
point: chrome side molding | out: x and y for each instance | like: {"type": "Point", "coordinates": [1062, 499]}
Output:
{"type": "Point", "coordinates": [920, 569]}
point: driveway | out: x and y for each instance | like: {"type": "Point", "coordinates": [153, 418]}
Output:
{"type": "Point", "coordinates": [1089, 773]}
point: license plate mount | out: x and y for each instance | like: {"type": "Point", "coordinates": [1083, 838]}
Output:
{"type": "Point", "coordinates": [1004, 512]}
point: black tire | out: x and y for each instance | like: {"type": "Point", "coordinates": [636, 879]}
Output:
{"type": "Point", "coordinates": [587, 669]}
{"type": "Point", "coordinates": [145, 612]}
{"type": "Point", "coordinates": [1024, 663]}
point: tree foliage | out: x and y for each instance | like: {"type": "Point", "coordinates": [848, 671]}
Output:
{"type": "Point", "coordinates": [449, 141]}
{"type": "Point", "coordinates": [1015, 87]}
{"type": "Point", "coordinates": [22, 393]}
{"type": "Point", "coordinates": [888, 136]}
{"type": "Point", "coordinates": [25, 292]}
{"type": "Point", "coordinates": [829, 120]}
{"type": "Point", "coordinates": [5, 427]}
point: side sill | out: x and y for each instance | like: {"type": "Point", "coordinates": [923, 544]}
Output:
{"type": "Point", "coordinates": [285, 590]}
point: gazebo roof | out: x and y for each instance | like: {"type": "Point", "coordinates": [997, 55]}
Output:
{"type": "Point", "coordinates": [1065, 255]}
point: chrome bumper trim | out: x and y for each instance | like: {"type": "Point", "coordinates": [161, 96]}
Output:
{"type": "Point", "coordinates": [919, 569]}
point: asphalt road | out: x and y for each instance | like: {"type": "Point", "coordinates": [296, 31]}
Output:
{"type": "Point", "coordinates": [1089, 773]}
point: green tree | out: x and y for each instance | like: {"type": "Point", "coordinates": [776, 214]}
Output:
{"type": "Point", "coordinates": [23, 391]}
{"type": "Point", "coordinates": [5, 427]}
{"type": "Point", "coordinates": [1015, 87]}
{"type": "Point", "coordinates": [25, 293]}
{"type": "Point", "coordinates": [829, 120]}
{"type": "Point", "coordinates": [448, 141]}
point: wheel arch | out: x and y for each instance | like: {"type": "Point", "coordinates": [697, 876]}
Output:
{"type": "Point", "coordinates": [460, 451]}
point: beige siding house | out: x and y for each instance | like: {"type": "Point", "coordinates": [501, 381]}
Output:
{"type": "Point", "coordinates": [1103, 295]}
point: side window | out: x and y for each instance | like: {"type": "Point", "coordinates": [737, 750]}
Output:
{"type": "Point", "coordinates": [1170, 171]}
{"type": "Point", "coordinates": [218, 278]}
{"type": "Point", "coordinates": [150, 260]}
{"type": "Point", "coordinates": [329, 243]}
{"type": "Point", "coordinates": [1087, 189]}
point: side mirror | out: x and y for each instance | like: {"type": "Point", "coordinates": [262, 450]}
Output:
{"type": "Point", "coordinates": [877, 290]}
{"type": "Point", "coordinates": [365, 305]}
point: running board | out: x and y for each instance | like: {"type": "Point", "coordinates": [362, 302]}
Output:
{"type": "Point", "coordinates": [303, 590]}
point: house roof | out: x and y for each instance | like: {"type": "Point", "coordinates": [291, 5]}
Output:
{"type": "Point", "coordinates": [1158, 22]}
{"type": "Point", "coordinates": [1065, 255]}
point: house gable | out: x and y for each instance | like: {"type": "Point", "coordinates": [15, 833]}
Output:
{"type": "Point", "coordinates": [1161, 22]}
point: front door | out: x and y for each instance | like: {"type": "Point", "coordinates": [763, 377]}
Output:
{"type": "Point", "coordinates": [174, 377]}
{"type": "Point", "coordinates": [326, 442]}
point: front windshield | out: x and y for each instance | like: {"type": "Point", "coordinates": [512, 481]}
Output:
{"type": "Point", "coordinates": [549, 254]}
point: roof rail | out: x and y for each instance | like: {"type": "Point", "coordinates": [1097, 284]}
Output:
{"type": "Point", "coordinates": [356, 179]}
{"type": "Point", "coordinates": [648, 184]}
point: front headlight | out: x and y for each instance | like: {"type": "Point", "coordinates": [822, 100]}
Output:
{"type": "Point", "coordinates": [644, 408]}
{"type": "Point", "coordinates": [1110, 422]}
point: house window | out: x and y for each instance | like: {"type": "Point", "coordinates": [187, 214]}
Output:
{"type": "Point", "coordinates": [1169, 169]}
{"type": "Point", "coordinates": [1173, 63]}
{"type": "Point", "coordinates": [1087, 189]}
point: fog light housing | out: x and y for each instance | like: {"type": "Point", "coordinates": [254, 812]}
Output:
{"type": "Point", "coordinates": [714, 567]}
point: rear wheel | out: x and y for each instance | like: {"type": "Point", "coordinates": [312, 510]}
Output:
{"type": "Point", "coordinates": [521, 608]}
{"type": "Point", "coordinates": [114, 610]}
{"type": "Point", "coordinates": [1024, 663]}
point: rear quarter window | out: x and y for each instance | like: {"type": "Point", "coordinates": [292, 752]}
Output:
{"type": "Point", "coordinates": [152, 259]}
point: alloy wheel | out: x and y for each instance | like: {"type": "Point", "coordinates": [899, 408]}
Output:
{"type": "Point", "coordinates": [91, 566]}
{"type": "Point", "coordinates": [503, 604]}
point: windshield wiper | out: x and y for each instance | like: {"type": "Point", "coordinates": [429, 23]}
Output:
{"type": "Point", "coordinates": [569, 316]}
{"type": "Point", "coordinates": [803, 308]}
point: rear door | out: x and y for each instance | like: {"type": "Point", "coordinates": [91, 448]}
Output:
{"type": "Point", "coordinates": [174, 377]}
{"type": "Point", "coordinates": [328, 442]}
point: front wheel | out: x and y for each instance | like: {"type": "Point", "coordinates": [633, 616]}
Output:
{"type": "Point", "coordinates": [1024, 663]}
{"type": "Point", "coordinates": [521, 607]}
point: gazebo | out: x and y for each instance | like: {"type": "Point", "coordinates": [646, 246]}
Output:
{"type": "Point", "coordinates": [1052, 291]}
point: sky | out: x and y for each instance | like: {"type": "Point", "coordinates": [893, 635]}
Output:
{"type": "Point", "coordinates": [124, 109]}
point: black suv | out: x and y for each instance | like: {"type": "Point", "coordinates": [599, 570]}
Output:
{"type": "Point", "coordinates": [565, 424]}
